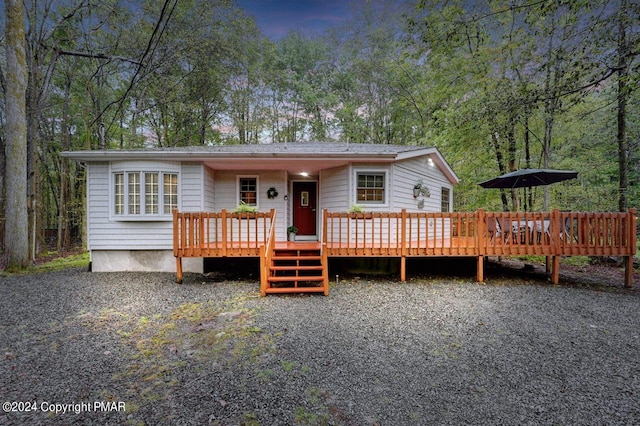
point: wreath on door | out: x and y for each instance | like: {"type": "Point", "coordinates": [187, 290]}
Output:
{"type": "Point", "coordinates": [272, 192]}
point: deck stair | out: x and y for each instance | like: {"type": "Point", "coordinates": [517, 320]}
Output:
{"type": "Point", "coordinates": [297, 268]}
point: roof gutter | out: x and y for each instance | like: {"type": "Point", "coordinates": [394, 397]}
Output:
{"type": "Point", "coordinates": [201, 156]}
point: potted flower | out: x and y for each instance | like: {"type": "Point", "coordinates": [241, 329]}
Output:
{"type": "Point", "coordinates": [244, 208]}
{"type": "Point", "coordinates": [292, 231]}
{"type": "Point", "coordinates": [355, 209]}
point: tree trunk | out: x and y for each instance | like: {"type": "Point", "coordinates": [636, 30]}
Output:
{"type": "Point", "coordinates": [16, 225]}
{"type": "Point", "coordinates": [550, 105]}
{"type": "Point", "coordinates": [528, 194]}
{"type": "Point", "coordinates": [495, 138]}
{"type": "Point", "coordinates": [63, 210]}
{"type": "Point", "coordinates": [511, 140]}
{"type": "Point", "coordinates": [623, 146]}
{"type": "Point", "coordinates": [2, 194]}
{"type": "Point", "coordinates": [3, 85]}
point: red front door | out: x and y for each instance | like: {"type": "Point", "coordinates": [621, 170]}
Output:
{"type": "Point", "coordinates": [304, 207]}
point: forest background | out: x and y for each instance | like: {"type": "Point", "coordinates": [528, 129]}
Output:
{"type": "Point", "coordinates": [496, 86]}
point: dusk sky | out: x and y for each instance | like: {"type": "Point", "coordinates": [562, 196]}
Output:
{"type": "Point", "coordinates": [276, 17]}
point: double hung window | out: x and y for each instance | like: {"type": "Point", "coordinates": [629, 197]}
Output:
{"type": "Point", "coordinates": [371, 188]}
{"type": "Point", "coordinates": [445, 203]}
{"type": "Point", "coordinates": [248, 190]}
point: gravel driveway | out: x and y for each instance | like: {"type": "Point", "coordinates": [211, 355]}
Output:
{"type": "Point", "coordinates": [134, 348]}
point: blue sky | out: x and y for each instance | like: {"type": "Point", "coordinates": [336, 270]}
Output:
{"type": "Point", "coordinates": [276, 17]}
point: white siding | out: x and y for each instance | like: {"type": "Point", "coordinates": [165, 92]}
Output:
{"type": "Point", "coordinates": [107, 233]}
{"type": "Point", "coordinates": [204, 189]}
{"type": "Point", "coordinates": [208, 193]}
{"type": "Point", "coordinates": [192, 186]}
{"type": "Point", "coordinates": [227, 194]}
{"type": "Point", "coordinates": [172, 166]}
{"type": "Point", "coordinates": [98, 205]}
{"type": "Point", "coordinates": [338, 186]}
{"type": "Point", "coordinates": [334, 189]}
{"type": "Point", "coordinates": [406, 174]}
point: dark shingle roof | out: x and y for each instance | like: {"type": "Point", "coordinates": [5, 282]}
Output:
{"type": "Point", "coordinates": [298, 148]}
{"type": "Point", "coordinates": [309, 151]}
{"type": "Point", "coordinates": [270, 150]}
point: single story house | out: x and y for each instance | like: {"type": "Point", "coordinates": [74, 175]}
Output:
{"type": "Point", "coordinates": [131, 194]}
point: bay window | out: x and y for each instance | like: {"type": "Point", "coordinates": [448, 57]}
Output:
{"type": "Point", "coordinates": [138, 194]}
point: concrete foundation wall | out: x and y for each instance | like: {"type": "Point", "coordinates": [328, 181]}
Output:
{"type": "Point", "coordinates": [141, 260]}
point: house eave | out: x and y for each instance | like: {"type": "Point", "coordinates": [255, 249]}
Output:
{"type": "Point", "coordinates": [295, 158]}
{"type": "Point", "coordinates": [438, 159]}
{"type": "Point", "coordinates": [206, 156]}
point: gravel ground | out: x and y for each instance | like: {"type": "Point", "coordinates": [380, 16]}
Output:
{"type": "Point", "coordinates": [436, 351]}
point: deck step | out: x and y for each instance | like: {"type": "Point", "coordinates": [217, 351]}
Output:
{"type": "Point", "coordinates": [280, 290]}
{"type": "Point", "coordinates": [296, 278]}
{"type": "Point", "coordinates": [277, 258]}
{"type": "Point", "coordinates": [296, 270]}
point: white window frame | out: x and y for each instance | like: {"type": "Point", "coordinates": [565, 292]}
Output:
{"type": "Point", "coordinates": [142, 186]}
{"type": "Point", "coordinates": [371, 171]}
{"type": "Point", "coordinates": [239, 189]}
{"type": "Point", "coordinates": [442, 200]}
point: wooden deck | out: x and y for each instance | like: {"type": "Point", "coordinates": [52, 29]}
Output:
{"type": "Point", "coordinates": [403, 235]}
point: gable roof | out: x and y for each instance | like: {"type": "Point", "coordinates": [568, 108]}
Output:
{"type": "Point", "coordinates": [292, 156]}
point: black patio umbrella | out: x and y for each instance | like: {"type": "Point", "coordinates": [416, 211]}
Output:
{"type": "Point", "coordinates": [526, 178]}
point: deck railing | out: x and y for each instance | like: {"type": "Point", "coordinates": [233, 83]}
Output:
{"type": "Point", "coordinates": [220, 234]}
{"type": "Point", "coordinates": [400, 234]}
{"type": "Point", "coordinates": [559, 233]}
{"type": "Point", "coordinates": [480, 233]}
{"type": "Point", "coordinates": [266, 254]}
{"type": "Point", "coordinates": [403, 234]}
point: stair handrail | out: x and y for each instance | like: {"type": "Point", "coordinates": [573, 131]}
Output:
{"type": "Point", "coordinates": [266, 253]}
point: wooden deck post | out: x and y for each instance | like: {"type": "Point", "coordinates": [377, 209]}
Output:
{"type": "Point", "coordinates": [554, 239]}
{"type": "Point", "coordinates": [178, 270]}
{"type": "Point", "coordinates": [628, 266]}
{"type": "Point", "coordinates": [481, 244]}
{"type": "Point", "coordinates": [403, 246]}
{"type": "Point", "coordinates": [176, 246]}
{"type": "Point", "coordinates": [403, 235]}
{"type": "Point", "coordinates": [480, 269]}
{"type": "Point", "coordinates": [264, 272]}
{"type": "Point", "coordinates": [555, 270]}
{"type": "Point", "coordinates": [325, 268]}
{"type": "Point", "coordinates": [175, 232]}
{"type": "Point", "coordinates": [628, 272]}
{"type": "Point", "coordinates": [325, 220]}
{"type": "Point", "coordinates": [225, 236]}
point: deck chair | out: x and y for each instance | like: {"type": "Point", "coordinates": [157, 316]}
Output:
{"type": "Point", "coordinates": [492, 229]}
{"type": "Point", "coordinates": [570, 231]}
{"type": "Point", "coordinates": [498, 228]}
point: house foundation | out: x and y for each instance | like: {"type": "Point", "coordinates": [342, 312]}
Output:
{"type": "Point", "coordinates": [141, 261]}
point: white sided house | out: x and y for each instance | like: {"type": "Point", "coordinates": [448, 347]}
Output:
{"type": "Point", "coordinates": [131, 194]}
